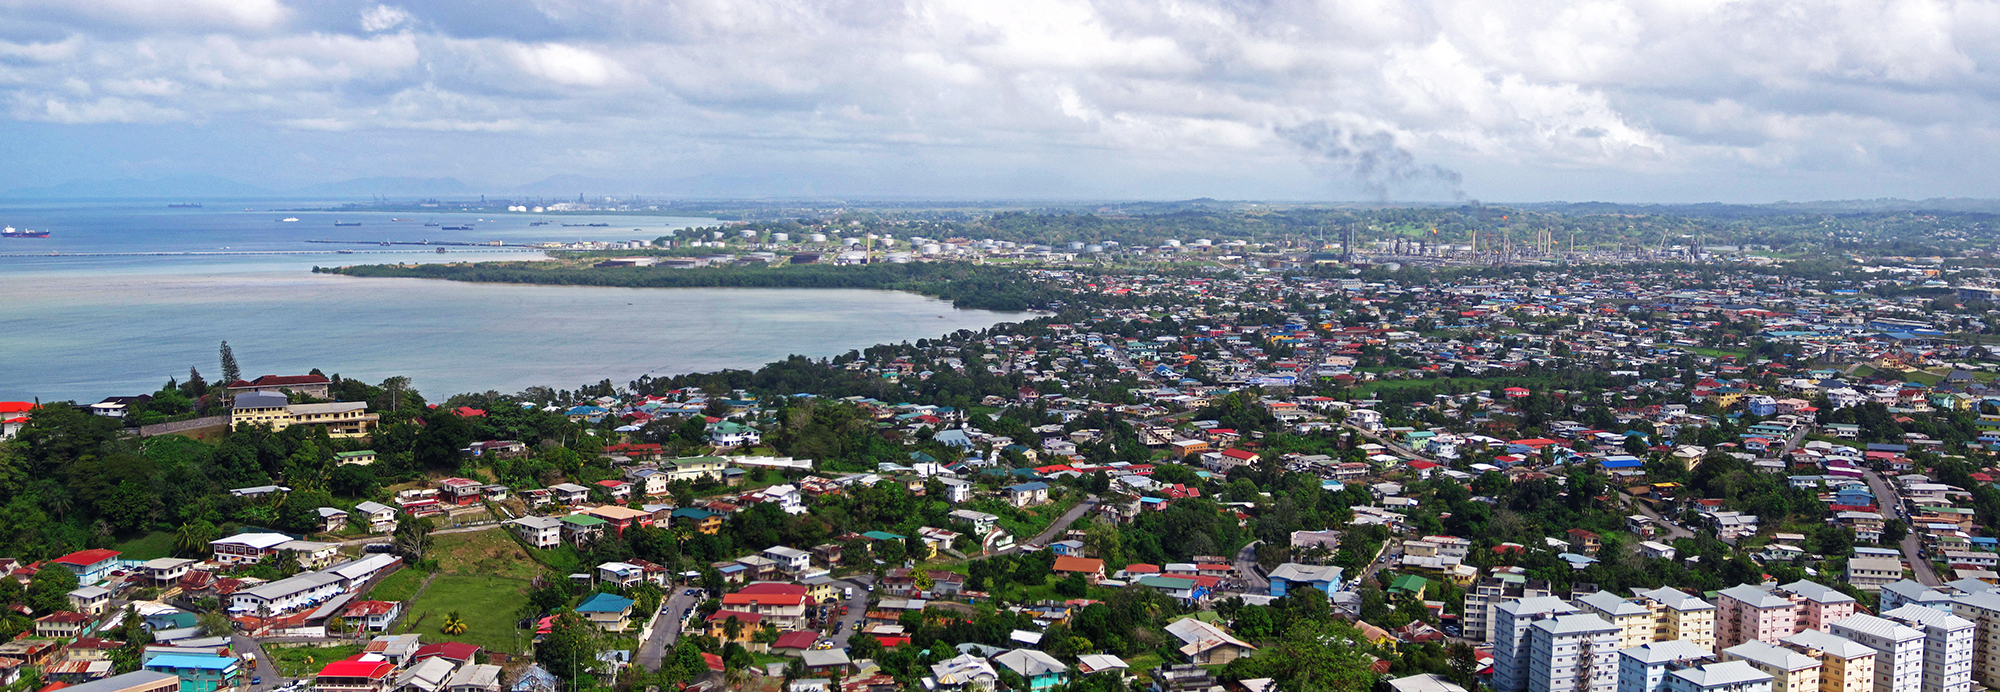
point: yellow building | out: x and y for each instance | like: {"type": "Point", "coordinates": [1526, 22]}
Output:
{"type": "Point", "coordinates": [1634, 621]}
{"type": "Point", "coordinates": [340, 418]}
{"type": "Point", "coordinates": [1790, 671]}
{"type": "Point", "coordinates": [1845, 665]}
{"type": "Point", "coordinates": [1679, 615]}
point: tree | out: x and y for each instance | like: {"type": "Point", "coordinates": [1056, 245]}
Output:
{"type": "Point", "coordinates": [413, 538]}
{"type": "Point", "coordinates": [193, 537]}
{"type": "Point", "coordinates": [230, 373]}
{"type": "Point", "coordinates": [569, 649]}
{"type": "Point", "coordinates": [214, 624]}
{"type": "Point", "coordinates": [49, 591]}
{"type": "Point", "coordinates": [453, 624]}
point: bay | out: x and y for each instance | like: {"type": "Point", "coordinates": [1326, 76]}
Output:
{"type": "Point", "coordinates": [84, 327]}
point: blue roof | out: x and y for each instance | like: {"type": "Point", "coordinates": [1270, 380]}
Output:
{"type": "Point", "coordinates": [604, 603]}
{"type": "Point", "coordinates": [1622, 463]}
{"type": "Point", "coordinates": [1029, 487]}
{"type": "Point", "coordinates": [197, 662]}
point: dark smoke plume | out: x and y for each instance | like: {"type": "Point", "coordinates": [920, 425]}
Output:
{"type": "Point", "coordinates": [1370, 159]}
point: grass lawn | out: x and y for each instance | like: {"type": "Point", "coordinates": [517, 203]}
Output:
{"type": "Point", "coordinates": [483, 552]}
{"type": "Point", "coordinates": [1921, 376]}
{"type": "Point", "coordinates": [304, 661]}
{"type": "Point", "coordinates": [397, 587]}
{"type": "Point", "coordinates": [1143, 664]}
{"type": "Point", "coordinates": [1719, 352]}
{"type": "Point", "coordinates": [487, 604]}
{"type": "Point", "coordinates": [147, 547]}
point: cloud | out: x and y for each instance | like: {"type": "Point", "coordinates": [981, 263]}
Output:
{"type": "Point", "coordinates": [1271, 97]}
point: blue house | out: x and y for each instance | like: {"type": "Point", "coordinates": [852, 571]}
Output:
{"type": "Point", "coordinates": [199, 673]}
{"type": "Point", "coordinates": [1292, 575]}
{"type": "Point", "coordinates": [1040, 670]}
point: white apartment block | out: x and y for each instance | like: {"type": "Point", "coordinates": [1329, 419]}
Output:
{"type": "Point", "coordinates": [1484, 597]}
{"type": "Point", "coordinates": [1731, 676]}
{"type": "Point", "coordinates": [1948, 646]}
{"type": "Point", "coordinates": [1899, 651]}
{"type": "Point", "coordinates": [1510, 638]}
{"type": "Point", "coordinates": [1644, 668]}
{"type": "Point", "coordinates": [1573, 653]}
{"type": "Point", "coordinates": [1983, 609]}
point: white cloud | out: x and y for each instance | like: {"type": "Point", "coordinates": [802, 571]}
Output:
{"type": "Point", "coordinates": [383, 18]}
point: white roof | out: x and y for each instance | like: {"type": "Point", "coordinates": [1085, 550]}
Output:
{"type": "Point", "coordinates": [259, 541]}
{"type": "Point", "coordinates": [1720, 674]}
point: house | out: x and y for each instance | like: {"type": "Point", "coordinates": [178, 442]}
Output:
{"type": "Point", "coordinates": [1205, 644]}
{"type": "Point", "coordinates": [315, 386]}
{"type": "Point", "coordinates": [287, 595]}
{"type": "Point", "coordinates": [475, 677]}
{"type": "Point", "coordinates": [200, 673]}
{"type": "Point", "coordinates": [732, 434]}
{"type": "Point", "coordinates": [341, 419]}
{"type": "Point", "coordinates": [62, 624]}
{"type": "Point", "coordinates": [609, 612]}
{"type": "Point", "coordinates": [165, 570]}
{"type": "Point", "coordinates": [696, 468]}
{"type": "Point", "coordinates": [381, 518]}
{"type": "Point", "coordinates": [704, 521]}
{"type": "Point", "coordinates": [1027, 494]}
{"type": "Point", "coordinates": [332, 519]}
{"type": "Point", "coordinates": [537, 531]}
{"type": "Point", "coordinates": [965, 673]}
{"type": "Point", "coordinates": [791, 560]}
{"type": "Point", "coordinates": [570, 493]}
{"type": "Point", "coordinates": [621, 518]}
{"type": "Point", "coordinates": [1092, 569]}
{"type": "Point", "coordinates": [372, 616]}
{"type": "Point", "coordinates": [363, 457]}
{"type": "Point", "coordinates": [90, 600]}
{"type": "Point", "coordinates": [579, 529]}
{"type": "Point", "coordinates": [980, 522]}
{"type": "Point", "coordinates": [621, 574]}
{"type": "Point", "coordinates": [354, 675]}
{"type": "Point", "coordinates": [1292, 575]}
{"type": "Point", "coordinates": [91, 566]}
{"type": "Point", "coordinates": [247, 547]}
{"type": "Point", "coordinates": [135, 681]}
{"type": "Point", "coordinates": [1040, 670]}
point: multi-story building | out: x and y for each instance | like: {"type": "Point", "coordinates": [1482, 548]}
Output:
{"type": "Point", "coordinates": [1790, 671]}
{"type": "Point", "coordinates": [1948, 646]}
{"type": "Point", "coordinates": [1819, 604]}
{"type": "Point", "coordinates": [1749, 612]}
{"type": "Point", "coordinates": [1634, 622]}
{"type": "Point", "coordinates": [1679, 615]}
{"type": "Point", "coordinates": [1573, 653]}
{"type": "Point", "coordinates": [1899, 650]}
{"type": "Point", "coordinates": [1731, 676]}
{"type": "Point", "coordinates": [1983, 609]}
{"type": "Point", "coordinates": [1644, 668]}
{"type": "Point", "coordinates": [1909, 591]}
{"type": "Point", "coordinates": [1873, 573]}
{"type": "Point", "coordinates": [1489, 593]}
{"type": "Point", "coordinates": [340, 418]}
{"type": "Point", "coordinates": [1510, 638]}
{"type": "Point", "coordinates": [1845, 665]}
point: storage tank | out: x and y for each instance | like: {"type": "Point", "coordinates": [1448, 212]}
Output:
{"type": "Point", "coordinates": [819, 237]}
{"type": "Point", "coordinates": [781, 237]}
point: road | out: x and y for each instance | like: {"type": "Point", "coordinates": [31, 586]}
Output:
{"type": "Point", "coordinates": [666, 628]}
{"type": "Point", "coordinates": [1673, 531]}
{"type": "Point", "coordinates": [242, 644]}
{"type": "Point", "coordinates": [1246, 570]}
{"type": "Point", "coordinates": [857, 610]}
{"type": "Point", "coordinates": [1891, 504]}
{"type": "Point", "coordinates": [1048, 535]}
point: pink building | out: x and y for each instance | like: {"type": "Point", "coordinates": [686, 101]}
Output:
{"type": "Point", "coordinates": [1819, 605]}
{"type": "Point", "coordinates": [1749, 612]}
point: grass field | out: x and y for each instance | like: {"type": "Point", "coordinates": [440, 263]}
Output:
{"type": "Point", "coordinates": [487, 604]}
{"type": "Point", "coordinates": [304, 661]}
{"type": "Point", "coordinates": [397, 587]}
{"type": "Point", "coordinates": [482, 552]}
{"type": "Point", "coordinates": [153, 545]}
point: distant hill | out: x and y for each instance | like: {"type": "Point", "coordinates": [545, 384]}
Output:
{"type": "Point", "coordinates": [566, 185]}
{"type": "Point", "coordinates": [174, 187]}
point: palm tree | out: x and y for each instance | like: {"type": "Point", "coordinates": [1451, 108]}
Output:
{"type": "Point", "coordinates": [453, 624]}
{"type": "Point", "coordinates": [193, 537]}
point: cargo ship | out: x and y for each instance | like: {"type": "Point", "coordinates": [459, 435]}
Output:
{"type": "Point", "coordinates": [9, 232]}
{"type": "Point", "coordinates": [184, 205]}
{"type": "Point", "coordinates": [458, 228]}
{"type": "Point", "coordinates": [347, 223]}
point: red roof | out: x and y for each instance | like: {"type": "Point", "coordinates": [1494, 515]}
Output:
{"type": "Point", "coordinates": [1238, 454]}
{"type": "Point", "coordinates": [740, 598]}
{"type": "Point", "coordinates": [16, 406]}
{"type": "Point", "coordinates": [774, 587]}
{"type": "Point", "coordinates": [453, 651]}
{"type": "Point", "coordinates": [373, 670]}
{"type": "Point", "coordinates": [714, 662]}
{"type": "Point", "coordinates": [367, 608]}
{"type": "Point", "coordinates": [468, 412]}
{"type": "Point", "coordinates": [86, 558]}
{"type": "Point", "coordinates": [796, 640]}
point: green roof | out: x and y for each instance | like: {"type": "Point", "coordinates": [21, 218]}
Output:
{"type": "Point", "coordinates": [1167, 582]}
{"type": "Point", "coordinates": [362, 453]}
{"type": "Point", "coordinates": [883, 536]}
{"type": "Point", "coordinates": [690, 461]}
{"type": "Point", "coordinates": [583, 520]}
{"type": "Point", "coordinates": [1409, 583]}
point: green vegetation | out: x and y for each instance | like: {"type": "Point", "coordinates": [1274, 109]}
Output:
{"type": "Point", "coordinates": [147, 546]}
{"type": "Point", "coordinates": [400, 586]}
{"type": "Point", "coordinates": [486, 604]}
{"type": "Point", "coordinates": [304, 661]}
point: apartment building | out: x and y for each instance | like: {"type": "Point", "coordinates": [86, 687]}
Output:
{"type": "Point", "coordinates": [1679, 615]}
{"type": "Point", "coordinates": [1790, 670]}
{"type": "Point", "coordinates": [1634, 622]}
{"type": "Point", "coordinates": [1948, 646]}
{"type": "Point", "coordinates": [1845, 665]}
{"type": "Point", "coordinates": [1510, 638]}
{"type": "Point", "coordinates": [341, 419]}
{"type": "Point", "coordinates": [1573, 653]}
{"type": "Point", "coordinates": [1819, 604]}
{"type": "Point", "coordinates": [1899, 650]}
{"type": "Point", "coordinates": [1644, 668]}
{"type": "Point", "coordinates": [1910, 591]}
{"type": "Point", "coordinates": [1983, 609]}
{"type": "Point", "coordinates": [1749, 612]}
{"type": "Point", "coordinates": [1730, 676]}
{"type": "Point", "coordinates": [1489, 593]}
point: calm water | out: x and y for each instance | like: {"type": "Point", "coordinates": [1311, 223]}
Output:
{"type": "Point", "coordinates": [86, 327]}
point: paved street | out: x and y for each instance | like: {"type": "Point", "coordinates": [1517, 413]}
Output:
{"type": "Point", "coordinates": [666, 628]}
{"type": "Point", "coordinates": [857, 609]}
{"type": "Point", "coordinates": [1246, 570]}
{"type": "Point", "coordinates": [242, 644]}
{"type": "Point", "coordinates": [1890, 504]}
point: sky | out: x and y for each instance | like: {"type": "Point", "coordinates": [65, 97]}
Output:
{"type": "Point", "coordinates": [1638, 101]}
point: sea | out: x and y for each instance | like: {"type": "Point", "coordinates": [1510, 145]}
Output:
{"type": "Point", "coordinates": [123, 295]}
